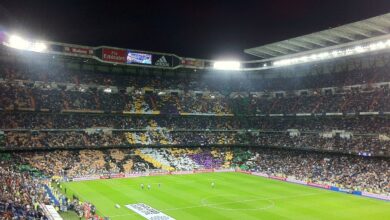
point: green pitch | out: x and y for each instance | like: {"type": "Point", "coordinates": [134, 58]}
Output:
{"type": "Point", "coordinates": [235, 196]}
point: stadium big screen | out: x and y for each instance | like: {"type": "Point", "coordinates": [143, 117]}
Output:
{"type": "Point", "coordinates": [138, 58]}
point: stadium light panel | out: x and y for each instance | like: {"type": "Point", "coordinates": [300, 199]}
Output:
{"type": "Point", "coordinates": [39, 47]}
{"type": "Point", "coordinates": [360, 49]}
{"type": "Point", "coordinates": [18, 42]}
{"type": "Point", "coordinates": [227, 65]}
{"type": "Point", "coordinates": [324, 55]}
{"type": "Point", "coordinates": [379, 45]}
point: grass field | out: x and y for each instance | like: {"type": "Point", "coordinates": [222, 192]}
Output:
{"type": "Point", "coordinates": [235, 196]}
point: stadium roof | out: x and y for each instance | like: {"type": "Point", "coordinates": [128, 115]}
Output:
{"type": "Point", "coordinates": [365, 29]}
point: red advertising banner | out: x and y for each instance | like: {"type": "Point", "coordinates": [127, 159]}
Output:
{"type": "Point", "coordinates": [131, 175]}
{"type": "Point", "coordinates": [260, 174]}
{"type": "Point", "coordinates": [243, 171]}
{"type": "Point", "coordinates": [114, 55]}
{"type": "Point", "coordinates": [293, 180]}
{"type": "Point", "coordinates": [118, 175]}
{"type": "Point", "coordinates": [376, 196]}
{"type": "Point", "coordinates": [76, 179]}
{"type": "Point", "coordinates": [158, 173]}
{"type": "Point", "coordinates": [189, 62]}
{"type": "Point", "coordinates": [222, 170]}
{"type": "Point", "coordinates": [181, 172]}
{"type": "Point", "coordinates": [318, 185]}
{"type": "Point", "coordinates": [112, 176]}
{"type": "Point", "coordinates": [278, 178]}
{"type": "Point", "coordinates": [78, 50]}
{"type": "Point", "coordinates": [204, 171]}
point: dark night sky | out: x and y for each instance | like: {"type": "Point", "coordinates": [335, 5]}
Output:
{"type": "Point", "coordinates": [201, 29]}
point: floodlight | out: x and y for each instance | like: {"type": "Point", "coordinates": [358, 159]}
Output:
{"type": "Point", "coordinates": [324, 55]}
{"type": "Point", "coordinates": [335, 53]}
{"type": "Point", "coordinates": [313, 57]}
{"type": "Point", "coordinates": [373, 46]}
{"type": "Point", "coordinates": [360, 49]}
{"type": "Point", "coordinates": [227, 65]}
{"type": "Point", "coordinates": [18, 42]}
{"type": "Point", "coordinates": [305, 58]}
{"type": "Point", "coordinates": [379, 45]}
{"type": "Point", "coordinates": [39, 47]}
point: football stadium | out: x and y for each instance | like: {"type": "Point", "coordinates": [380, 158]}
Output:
{"type": "Point", "coordinates": [300, 131]}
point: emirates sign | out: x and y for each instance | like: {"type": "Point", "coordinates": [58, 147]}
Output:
{"type": "Point", "coordinates": [114, 55]}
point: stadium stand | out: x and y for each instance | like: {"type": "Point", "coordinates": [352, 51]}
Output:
{"type": "Point", "coordinates": [71, 123]}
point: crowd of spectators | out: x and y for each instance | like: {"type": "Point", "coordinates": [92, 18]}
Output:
{"type": "Point", "coordinates": [352, 172]}
{"type": "Point", "coordinates": [20, 193]}
{"type": "Point", "coordinates": [370, 145]}
{"type": "Point", "coordinates": [347, 171]}
{"type": "Point", "coordinates": [201, 82]}
{"type": "Point", "coordinates": [60, 139]}
{"type": "Point", "coordinates": [369, 135]}
{"type": "Point", "coordinates": [19, 96]}
{"type": "Point", "coordinates": [361, 145]}
{"type": "Point", "coordinates": [63, 90]}
{"type": "Point", "coordinates": [41, 121]}
{"type": "Point", "coordinates": [372, 100]}
{"type": "Point", "coordinates": [84, 162]}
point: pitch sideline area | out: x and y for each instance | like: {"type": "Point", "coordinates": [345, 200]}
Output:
{"type": "Point", "coordinates": [234, 196]}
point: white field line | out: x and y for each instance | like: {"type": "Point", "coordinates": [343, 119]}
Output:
{"type": "Point", "coordinates": [202, 204]}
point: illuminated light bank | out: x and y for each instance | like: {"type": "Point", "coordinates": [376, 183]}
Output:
{"type": "Point", "coordinates": [227, 65]}
{"type": "Point", "coordinates": [17, 42]}
{"type": "Point", "coordinates": [380, 45]}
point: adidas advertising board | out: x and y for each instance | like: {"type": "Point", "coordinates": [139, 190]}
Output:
{"type": "Point", "coordinates": [163, 61]}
